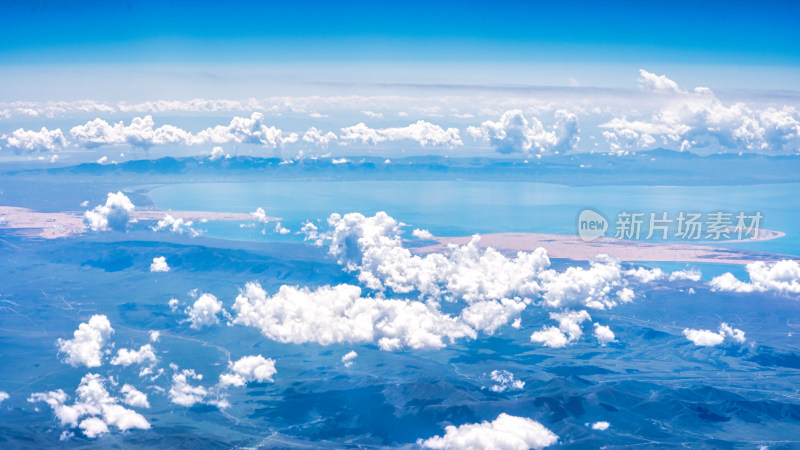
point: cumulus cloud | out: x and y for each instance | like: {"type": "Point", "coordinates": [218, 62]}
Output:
{"type": "Point", "coordinates": [140, 133]}
{"type": "Point", "coordinates": [644, 275]}
{"type": "Point", "coordinates": [697, 119]}
{"type": "Point", "coordinates": [373, 248]}
{"type": "Point", "coordinates": [337, 314]}
{"type": "Point", "coordinates": [134, 397]}
{"type": "Point", "coordinates": [707, 338]}
{"type": "Point", "coordinates": [246, 130]}
{"type": "Point", "coordinates": [318, 138]}
{"type": "Point", "coordinates": [568, 331]}
{"type": "Point", "coordinates": [159, 264]}
{"type": "Point", "coordinates": [506, 433]}
{"type": "Point", "coordinates": [86, 346]}
{"type": "Point", "coordinates": [179, 225]}
{"type": "Point", "coordinates": [603, 334]}
{"type": "Point", "coordinates": [691, 275]}
{"type": "Point", "coordinates": [249, 369]}
{"type": "Point", "coordinates": [114, 215]}
{"type": "Point", "coordinates": [601, 426]}
{"type": "Point", "coordinates": [96, 404]}
{"type": "Point", "coordinates": [184, 394]}
{"type": "Point", "coordinates": [600, 286]}
{"type": "Point", "coordinates": [349, 359]}
{"type": "Point", "coordinates": [217, 153]}
{"type": "Point", "coordinates": [782, 277]}
{"type": "Point", "coordinates": [514, 133]}
{"type": "Point", "coordinates": [204, 311]}
{"type": "Point", "coordinates": [505, 381]}
{"type": "Point", "coordinates": [3, 396]}
{"type": "Point", "coordinates": [260, 216]}
{"type": "Point", "coordinates": [424, 133]}
{"type": "Point", "coordinates": [30, 141]}
{"type": "Point", "coordinates": [422, 234]}
{"type": "Point", "coordinates": [126, 357]}
{"type": "Point", "coordinates": [657, 83]}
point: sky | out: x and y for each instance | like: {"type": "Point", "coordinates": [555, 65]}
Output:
{"type": "Point", "coordinates": [513, 78]}
{"type": "Point", "coordinates": [731, 32]}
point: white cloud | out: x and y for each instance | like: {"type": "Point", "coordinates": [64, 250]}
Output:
{"type": "Point", "coordinates": [280, 229]}
{"type": "Point", "coordinates": [489, 315]}
{"type": "Point", "coordinates": [505, 381]}
{"type": "Point", "coordinates": [349, 359]}
{"type": "Point", "coordinates": [696, 119]}
{"type": "Point", "coordinates": [173, 304]}
{"type": "Point", "coordinates": [154, 335]}
{"type": "Point", "coordinates": [504, 433]}
{"type": "Point", "coordinates": [735, 334]}
{"type": "Point", "coordinates": [782, 277]}
{"type": "Point", "coordinates": [259, 215]}
{"type": "Point", "coordinates": [3, 396]}
{"type": "Point", "coordinates": [603, 334]}
{"type": "Point", "coordinates": [600, 286]}
{"type": "Point", "coordinates": [134, 397]}
{"type": "Point", "coordinates": [115, 214]}
{"type": "Point", "coordinates": [249, 369]}
{"type": "Point", "coordinates": [140, 133]}
{"type": "Point", "coordinates": [174, 225]}
{"type": "Point", "coordinates": [422, 234]}
{"type": "Point", "coordinates": [657, 83]}
{"type": "Point", "coordinates": [601, 426]}
{"type": "Point", "coordinates": [643, 275]}
{"type": "Point", "coordinates": [159, 264]}
{"type": "Point", "coordinates": [568, 331]}
{"type": "Point", "coordinates": [373, 115]}
{"type": "Point", "coordinates": [204, 311]}
{"type": "Point", "coordinates": [691, 275]}
{"type": "Point", "coordinates": [318, 138]}
{"type": "Point", "coordinates": [217, 153]}
{"type": "Point", "coordinates": [422, 132]}
{"type": "Point", "coordinates": [339, 314]}
{"type": "Point", "coordinates": [514, 133]}
{"type": "Point", "coordinates": [86, 346]}
{"type": "Point", "coordinates": [184, 394]}
{"type": "Point", "coordinates": [126, 357]}
{"type": "Point", "coordinates": [193, 105]}
{"type": "Point", "coordinates": [311, 233]}
{"type": "Point", "coordinates": [244, 130]}
{"type": "Point", "coordinates": [372, 246]}
{"type": "Point", "coordinates": [30, 141]}
{"type": "Point", "coordinates": [96, 404]}
{"type": "Point", "coordinates": [707, 338]}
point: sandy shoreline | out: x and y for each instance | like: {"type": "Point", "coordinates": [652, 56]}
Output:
{"type": "Point", "coordinates": [572, 247]}
{"type": "Point", "coordinates": [69, 223]}
{"type": "Point", "coordinates": [63, 224]}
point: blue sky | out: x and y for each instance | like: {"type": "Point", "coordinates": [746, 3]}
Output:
{"type": "Point", "coordinates": [733, 32]}
{"type": "Point", "coordinates": [351, 78]}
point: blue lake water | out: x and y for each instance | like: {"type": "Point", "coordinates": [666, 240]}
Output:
{"type": "Point", "coordinates": [455, 208]}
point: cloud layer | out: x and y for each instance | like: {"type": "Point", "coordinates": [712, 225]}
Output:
{"type": "Point", "coordinates": [506, 432]}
